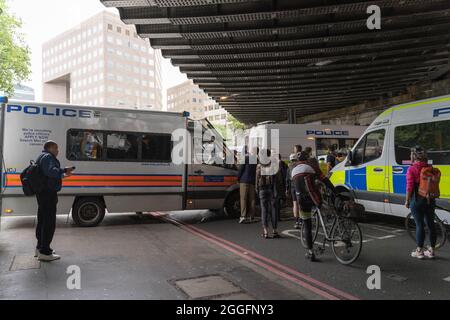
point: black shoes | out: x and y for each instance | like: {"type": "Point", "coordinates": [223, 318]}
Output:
{"type": "Point", "coordinates": [311, 256]}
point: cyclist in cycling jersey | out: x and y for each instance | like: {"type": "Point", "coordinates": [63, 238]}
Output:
{"type": "Point", "coordinates": [304, 176]}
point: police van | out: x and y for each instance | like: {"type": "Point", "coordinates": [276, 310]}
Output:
{"type": "Point", "coordinates": [374, 173]}
{"type": "Point", "coordinates": [123, 158]}
{"type": "Point", "coordinates": [316, 136]}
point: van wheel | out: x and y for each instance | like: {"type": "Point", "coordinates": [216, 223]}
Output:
{"type": "Point", "coordinates": [233, 205]}
{"type": "Point", "coordinates": [88, 212]}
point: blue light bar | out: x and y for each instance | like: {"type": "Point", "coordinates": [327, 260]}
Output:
{"type": "Point", "coordinates": [186, 114]}
{"type": "Point", "coordinates": [3, 99]}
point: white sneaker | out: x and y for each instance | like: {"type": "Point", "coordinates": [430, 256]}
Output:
{"type": "Point", "coordinates": [429, 253]}
{"type": "Point", "coordinates": [242, 220]}
{"type": "Point", "coordinates": [48, 258]}
{"type": "Point", "coordinates": [417, 254]}
{"type": "Point", "coordinates": [36, 253]}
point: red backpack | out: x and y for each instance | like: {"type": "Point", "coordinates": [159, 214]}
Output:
{"type": "Point", "coordinates": [429, 183]}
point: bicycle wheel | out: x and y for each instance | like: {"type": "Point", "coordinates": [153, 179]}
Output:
{"type": "Point", "coordinates": [441, 231]}
{"type": "Point", "coordinates": [347, 240]}
{"type": "Point", "coordinates": [315, 230]}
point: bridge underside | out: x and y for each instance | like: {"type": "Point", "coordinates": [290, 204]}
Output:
{"type": "Point", "coordinates": [260, 58]}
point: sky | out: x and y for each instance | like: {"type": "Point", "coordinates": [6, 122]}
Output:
{"type": "Point", "coordinates": [44, 19]}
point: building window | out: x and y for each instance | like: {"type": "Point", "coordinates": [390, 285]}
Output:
{"type": "Point", "coordinates": [119, 29]}
{"type": "Point", "coordinates": [110, 27]}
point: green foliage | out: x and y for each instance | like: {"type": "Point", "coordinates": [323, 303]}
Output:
{"type": "Point", "coordinates": [235, 123]}
{"type": "Point", "coordinates": [222, 130]}
{"type": "Point", "coordinates": [14, 53]}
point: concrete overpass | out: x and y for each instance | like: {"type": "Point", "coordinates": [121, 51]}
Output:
{"type": "Point", "coordinates": [285, 59]}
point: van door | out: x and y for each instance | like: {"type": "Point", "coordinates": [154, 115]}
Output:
{"type": "Point", "coordinates": [433, 137]}
{"type": "Point", "coordinates": [209, 178]}
{"type": "Point", "coordinates": [208, 185]}
{"type": "Point", "coordinates": [367, 174]}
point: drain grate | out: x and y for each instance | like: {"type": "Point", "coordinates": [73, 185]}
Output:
{"type": "Point", "coordinates": [24, 262]}
{"type": "Point", "coordinates": [205, 287]}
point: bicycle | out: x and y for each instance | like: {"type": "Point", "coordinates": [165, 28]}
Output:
{"type": "Point", "coordinates": [441, 229]}
{"type": "Point", "coordinates": [343, 233]}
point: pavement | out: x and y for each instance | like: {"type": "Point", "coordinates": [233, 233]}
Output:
{"type": "Point", "coordinates": [202, 255]}
{"type": "Point", "coordinates": [131, 257]}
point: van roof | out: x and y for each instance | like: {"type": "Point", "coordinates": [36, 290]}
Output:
{"type": "Point", "coordinates": [75, 106]}
{"type": "Point", "coordinates": [401, 113]}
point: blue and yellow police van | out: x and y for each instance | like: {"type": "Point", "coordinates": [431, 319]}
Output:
{"type": "Point", "coordinates": [374, 173]}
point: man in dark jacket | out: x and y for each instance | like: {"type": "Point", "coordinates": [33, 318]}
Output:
{"type": "Point", "coordinates": [247, 180]}
{"type": "Point", "coordinates": [47, 200]}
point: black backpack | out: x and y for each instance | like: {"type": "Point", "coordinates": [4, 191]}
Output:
{"type": "Point", "coordinates": [33, 181]}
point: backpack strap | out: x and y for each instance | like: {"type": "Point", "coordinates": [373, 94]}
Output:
{"type": "Point", "coordinates": [38, 162]}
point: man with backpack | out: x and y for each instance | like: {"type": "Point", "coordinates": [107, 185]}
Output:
{"type": "Point", "coordinates": [47, 198]}
{"type": "Point", "coordinates": [422, 189]}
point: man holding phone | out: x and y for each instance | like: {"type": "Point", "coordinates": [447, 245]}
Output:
{"type": "Point", "coordinates": [47, 199]}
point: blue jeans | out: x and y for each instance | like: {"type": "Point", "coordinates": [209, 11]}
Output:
{"type": "Point", "coordinates": [423, 212]}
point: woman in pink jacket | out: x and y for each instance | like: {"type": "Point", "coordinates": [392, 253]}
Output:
{"type": "Point", "coordinates": [421, 208]}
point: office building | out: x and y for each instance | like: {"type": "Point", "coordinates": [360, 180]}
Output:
{"type": "Point", "coordinates": [102, 62]}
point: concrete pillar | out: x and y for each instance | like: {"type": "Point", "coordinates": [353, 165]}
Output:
{"type": "Point", "coordinates": [292, 116]}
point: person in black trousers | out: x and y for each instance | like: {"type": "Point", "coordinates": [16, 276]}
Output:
{"type": "Point", "coordinates": [47, 200]}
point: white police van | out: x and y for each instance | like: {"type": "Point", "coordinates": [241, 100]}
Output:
{"type": "Point", "coordinates": [316, 136]}
{"type": "Point", "coordinates": [374, 174]}
{"type": "Point", "coordinates": [123, 158]}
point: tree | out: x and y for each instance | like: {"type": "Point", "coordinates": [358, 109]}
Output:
{"type": "Point", "coordinates": [14, 53]}
{"type": "Point", "coordinates": [222, 130]}
{"type": "Point", "coordinates": [235, 123]}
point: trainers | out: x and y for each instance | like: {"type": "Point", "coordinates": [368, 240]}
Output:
{"type": "Point", "coordinates": [417, 254]}
{"type": "Point", "coordinates": [36, 252]}
{"type": "Point", "coordinates": [48, 258]}
{"type": "Point", "coordinates": [297, 225]}
{"type": "Point", "coordinates": [311, 256]}
{"type": "Point", "coordinates": [242, 220]}
{"type": "Point", "coordinates": [429, 253]}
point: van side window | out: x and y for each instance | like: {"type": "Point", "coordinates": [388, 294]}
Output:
{"type": "Point", "coordinates": [369, 148]}
{"type": "Point", "coordinates": [89, 145]}
{"type": "Point", "coordinates": [374, 145]}
{"type": "Point", "coordinates": [157, 147]}
{"type": "Point", "coordinates": [433, 136]}
{"type": "Point", "coordinates": [122, 146]}
{"type": "Point", "coordinates": [85, 145]}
